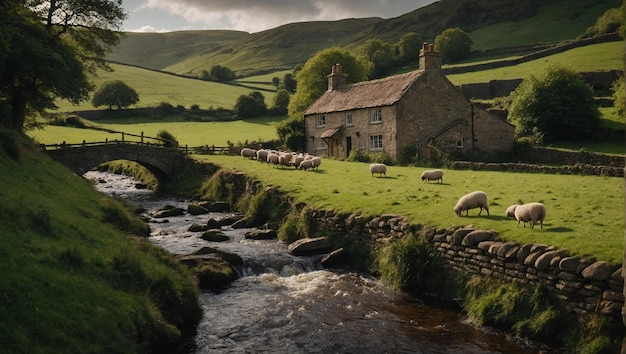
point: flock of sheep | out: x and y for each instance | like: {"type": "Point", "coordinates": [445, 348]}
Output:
{"type": "Point", "coordinates": [283, 159]}
{"type": "Point", "coordinates": [532, 213]}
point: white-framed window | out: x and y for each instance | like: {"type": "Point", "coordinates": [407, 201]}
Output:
{"type": "Point", "coordinates": [320, 144]}
{"type": "Point", "coordinates": [348, 119]}
{"type": "Point", "coordinates": [459, 141]}
{"type": "Point", "coordinates": [376, 142]}
{"type": "Point", "coordinates": [376, 116]}
{"type": "Point", "coordinates": [321, 121]}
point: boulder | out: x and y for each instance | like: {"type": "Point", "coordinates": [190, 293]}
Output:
{"type": "Point", "coordinates": [198, 228]}
{"type": "Point", "coordinates": [600, 270]}
{"type": "Point", "coordinates": [240, 224]}
{"type": "Point", "coordinates": [169, 211]}
{"type": "Point", "coordinates": [195, 209]}
{"type": "Point", "coordinates": [334, 258]}
{"type": "Point", "coordinates": [229, 257]}
{"type": "Point", "coordinates": [214, 236]}
{"type": "Point", "coordinates": [213, 224]}
{"type": "Point", "coordinates": [309, 246]}
{"type": "Point", "coordinates": [229, 220]}
{"type": "Point", "coordinates": [261, 234]}
{"type": "Point", "coordinates": [218, 207]}
{"type": "Point", "coordinates": [212, 273]}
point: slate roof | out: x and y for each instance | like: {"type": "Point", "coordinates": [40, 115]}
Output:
{"type": "Point", "coordinates": [366, 94]}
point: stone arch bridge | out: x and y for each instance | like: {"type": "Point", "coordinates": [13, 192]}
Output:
{"type": "Point", "coordinates": [160, 161]}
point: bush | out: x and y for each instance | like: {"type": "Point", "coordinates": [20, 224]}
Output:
{"type": "Point", "coordinates": [407, 263]}
{"type": "Point", "coordinates": [357, 155]}
{"type": "Point", "coordinates": [167, 139]}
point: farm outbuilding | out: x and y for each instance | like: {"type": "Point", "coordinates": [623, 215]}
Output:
{"type": "Point", "coordinates": [420, 109]}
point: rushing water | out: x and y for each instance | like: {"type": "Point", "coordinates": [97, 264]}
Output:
{"type": "Point", "coordinates": [287, 304]}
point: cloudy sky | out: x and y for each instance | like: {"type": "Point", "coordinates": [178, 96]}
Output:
{"type": "Point", "coordinates": [252, 15]}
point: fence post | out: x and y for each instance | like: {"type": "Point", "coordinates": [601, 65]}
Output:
{"type": "Point", "coordinates": [141, 138]}
{"type": "Point", "coordinates": [122, 137]}
{"type": "Point", "coordinates": [106, 141]}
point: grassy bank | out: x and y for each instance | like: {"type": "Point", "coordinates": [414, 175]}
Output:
{"type": "Point", "coordinates": [585, 213]}
{"type": "Point", "coordinates": [77, 272]}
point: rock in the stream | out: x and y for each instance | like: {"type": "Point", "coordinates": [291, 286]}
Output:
{"type": "Point", "coordinates": [310, 246]}
{"type": "Point", "coordinates": [261, 234]}
{"type": "Point", "coordinates": [169, 211]}
{"type": "Point", "coordinates": [214, 236]}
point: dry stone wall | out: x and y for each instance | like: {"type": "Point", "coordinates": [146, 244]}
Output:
{"type": "Point", "coordinates": [584, 285]}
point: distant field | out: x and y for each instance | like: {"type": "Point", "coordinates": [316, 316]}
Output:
{"type": "Point", "coordinates": [585, 213]}
{"type": "Point", "coordinates": [597, 57]}
{"type": "Point", "coordinates": [187, 133]}
{"type": "Point", "coordinates": [155, 87]}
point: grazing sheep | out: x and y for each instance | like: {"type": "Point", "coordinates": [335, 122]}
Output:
{"type": "Point", "coordinates": [297, 159]}
{"type": "Point", "coordinates": [510, 211]}
{"type": "Point", "coordinates": [380, 168]}
{"type": "Point", "coordinates": [471, 200]}
{"type": "Point", "coordinates": [284, 159]}
{"type": "Point", "coordinates": [248, 153]}
{"type": "Point", "coordinates": [261, 155]}
{"type": "Point", "coordinates": [305, 165]}
{"type": "Point", "coordinates": [432, 175]}
{"type": "Point", "coordinates": [529, 212]}
{"type": "Point", "coordinates": [317, 161]}
{"type": "Point", "coordinates": [272, 158]}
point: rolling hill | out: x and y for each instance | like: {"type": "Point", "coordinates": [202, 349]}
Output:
{"type": "Point", "coordinates": [491, 24]}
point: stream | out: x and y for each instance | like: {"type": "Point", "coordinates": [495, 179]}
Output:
{"type": "Point", "coordinates": [287, 304]}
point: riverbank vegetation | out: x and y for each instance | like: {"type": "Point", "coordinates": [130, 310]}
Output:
{"type": "Point", "coordinates": [78, 273]}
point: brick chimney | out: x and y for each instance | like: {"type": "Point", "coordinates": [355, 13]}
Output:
{"type": "Point", "coordinates": [429, 58]}
{"type": "Point", "coordinates": [336, 78]}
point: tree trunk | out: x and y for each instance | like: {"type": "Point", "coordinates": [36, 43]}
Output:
{"type": "Point", "coordinates": [18, 108]}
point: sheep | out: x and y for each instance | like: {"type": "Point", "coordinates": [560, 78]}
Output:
{"type": "Point", "coordinates": [317, 161]}
{"type": "Point", "coordinates": [305, 165]}
{"type": "Point", "coordinates": [529, 212]}
{"type": "Point", "coordinates": [297, 159]}
{"type": "Point", "coordinates": [284, 159]}
{"type": "Point", "coordinates": [432, 175]}
{"type": "Point", "coordinates": [380, 168]}
{"type": "Point", "coordinates": [248, 153]}
{"type": "Point", "coordinates": [261, 155]}
{"type": "Point", "coordinates": [472, 200]}
{"type": "Point", "coordinates": [272, 158]}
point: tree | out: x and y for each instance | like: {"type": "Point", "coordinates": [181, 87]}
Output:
{"type": "Point", "coordinates": [453, 44]}
{"type": "Point", "coordinates": [619, 96]}
{"type": "Point", "coordinates": [280, 103]}
{"type": "Point", "coordinates": [291, 133]}
{"type": "Point", "coordinates": [221, 73]}
{"type": "Point", "coordinates": [557, 105]}
{"type": "Point", "coordinates": [378, 56]}
{"type": "Point", "coordinates": [289, 83]}
{"type": "Point", "coordinates": [251, 105]}
{"type": "Point", "coordinates": [167, 139]}
{"type": "Point", "coordinates": [52, 46]}
{"type": "Point", "coordinates": [408, 48]}
{"type": "Point", "coordinates": [312, 80]}
{"type": "Point", "coordinates": [115, 93]}
{"type": "Point", "coordinates": [611, 21]}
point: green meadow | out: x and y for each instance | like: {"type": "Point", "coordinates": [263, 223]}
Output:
{"type": "Point", "coordinates": [584, 213]}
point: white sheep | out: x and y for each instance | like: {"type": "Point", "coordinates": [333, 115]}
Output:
{"type": "Point", "coordinates": [296, 160]}
{"type": "Point", "coordinates": [472, 200]}
{"type": "Point", "coordinates": [261, 155]}
{"type": "Point", "coordinates": [248, 153]}
{"type": "Point", "coordinates": [529, 212]}
{"type": "Point", "coordinates": [432, 175]}
{"type": "Point", "coordinates": [284, 159]}
{"type": "Point", "coordinates": [305, 164]}
{"type": "Point", "coordinates": [380, 168]}
{"type": "Point", "coordinates": [317, 161]}
{"type": "Point", "coordinates": [272, 158]}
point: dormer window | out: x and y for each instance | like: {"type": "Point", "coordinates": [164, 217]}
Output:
{"type": "Point", "coordinates": [376, 116]}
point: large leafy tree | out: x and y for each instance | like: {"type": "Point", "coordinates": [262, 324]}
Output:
{"type": "Point", "coordinates": [408, 48]}
{"type": "Point", "coordinates": [50, 49]}
{"type": "Point", "coordinates": [115, 93]}
{"type": "Point", "coordinates": [554, 106]}
{"type": "Point", "coordinates": [312, 79]}
{"type": "Point", "coordinates": [453, 44]}
{"type": "Point", "coordinates": [378, 56]}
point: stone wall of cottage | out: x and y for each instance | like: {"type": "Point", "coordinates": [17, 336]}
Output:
{"type": "Point", "coordinates": [583, 285]}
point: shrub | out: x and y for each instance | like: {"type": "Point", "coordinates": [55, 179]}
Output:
{"type": "Point", "coordinates": [357, 155]}
{"type": "Point", "coordinates": [167, 139]}
{"type": "Point", "coordinates": [406, 264]}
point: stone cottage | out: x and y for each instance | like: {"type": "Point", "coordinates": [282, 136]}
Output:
{"type": "Point", "coordinates": [420, 109]}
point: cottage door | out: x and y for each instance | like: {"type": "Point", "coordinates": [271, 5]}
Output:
{"type": "Point", "coordinates": [348, 145]}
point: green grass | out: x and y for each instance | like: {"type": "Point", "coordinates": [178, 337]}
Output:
{"type": "Point", "coordinates": [585, 213]}
{"type": "Point", "coordinates": [597, 57]}
{"type": "Point", "coordinates": [72, 278]}
{"type": "Point", "coordinates": [554, 21]}
{"type": "Point", "coordinates": [155, 87]}
{"type": "Point", "coordinates": [187, 133]}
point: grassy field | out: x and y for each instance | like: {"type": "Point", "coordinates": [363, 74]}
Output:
{"type": "Point", "coordinates": [154, 88]}
{"type": "Point", "coordinates": [585, 213]}
{"type": "Point", "coordinates": [597, 57]}
{"type": "Point", "coordinates": [186, 132]}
